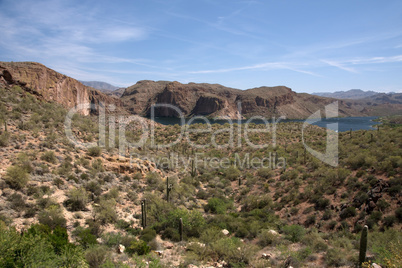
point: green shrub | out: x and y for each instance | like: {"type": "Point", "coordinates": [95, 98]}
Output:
{"type": "Point", "coordinates": [16, 176]}
{"type": "Point", "coordinates": [96, 255]}
{"type": "Point", "coordinates": [94, 151]}
{"type": "Point", "coordinates": [265, 173]}
{"type": "Point", "coordinates": [348, 212]}
{"type": "Point", "coordinates": [294, 233]}
{"type": "Point", "coordinates": [310, 220]}
{"type": "Point", "coordinates": [4, 137]}
{"type": "Point", "coordinates": [77, 199]}
{"type": "Point", "coordinates": [38, 247]}
{"type": "Point", "coordinates": [52, 217]}
{"type": "Point", "coordinates": [217, 205]}
{"type": "Point", "coordinates": [49, 156]}
{"type": "Point", "coordinates": [148, 234]}
{"type": "Point", "coordinates": [232, 173]}
{"type": "Point", "coordinates": [85, 237]}
{"type": "Point", "coordinates": [138, 247]}
{"type": "Point", "coordinates": [266, 238]}
{"type": "Point", "coordinates": [17, 202]}
{"type": "Point", "coordinates": [389, 221]}
{"type": "Point", "coordinates": [105, 212]}
{"type": "Point", "coordinates": [335, 258]}
{"type": "Point", "coordinates": [172, 234]}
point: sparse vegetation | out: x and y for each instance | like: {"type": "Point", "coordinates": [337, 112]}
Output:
{"type": "Point", "coordinates": [317, 210]}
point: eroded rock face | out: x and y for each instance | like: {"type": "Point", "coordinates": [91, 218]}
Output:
{"type": "Point", "coordinates": [208, 105]}
{"type": "Point", "coordinates": [53, 86]}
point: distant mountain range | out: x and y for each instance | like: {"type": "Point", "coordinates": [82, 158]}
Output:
{"type": "Point", "coordinates": [212, 100]}
{"type": "Point", "coordinates": [102, 86]}
{"type": "Point", "coordinates": [350, 94]}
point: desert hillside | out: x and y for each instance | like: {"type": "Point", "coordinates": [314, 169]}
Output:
{"type": "Point", "coordinates": [221, 205]}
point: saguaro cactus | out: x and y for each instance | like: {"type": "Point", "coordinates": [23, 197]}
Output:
{"type": "Point", "coordinates": [181, 229]}
{"type": "Point", "coordinates": [363, 245]}
{"type": "Point", "coordinates": [193, 169]}
{"type": "Point", "coordinates": [168, 189]}
{"type": "Point", "coordinates": [144, 213]}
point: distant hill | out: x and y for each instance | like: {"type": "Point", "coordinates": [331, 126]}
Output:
{"type": "Point", "coordinates": [221, 102]}
{"type": "Point", "coordinates": [102, 86]}
{"type": "Point", "coordinates": [350, 94]}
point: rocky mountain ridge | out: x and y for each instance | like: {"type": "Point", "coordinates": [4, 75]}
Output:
{"type": "Point", "coordinates": [53, 86]}
{"type": "Point", "coordinates": [192, 99]}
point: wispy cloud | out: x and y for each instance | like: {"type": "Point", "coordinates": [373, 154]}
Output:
{"type": "Point", "coordinates": [345, 64]}
{"type": "Point", "coordinates": [266, 66]}
{"type": "Point", "coordinates": [340, 66]}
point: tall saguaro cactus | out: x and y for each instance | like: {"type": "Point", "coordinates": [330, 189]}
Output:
{"type": "Point", "coordinates": [144, 213]}
{"type": "Point", "coordinates": [181, 229]}
{"type": "Point", "coordinates": [168, 189]}
{"type": "Point", "coordinates": [193, 169]}
{"type": "Point", "coordinates": [363, 245]}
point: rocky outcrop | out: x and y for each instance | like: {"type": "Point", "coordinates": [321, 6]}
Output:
{"type": "Point", "coordinates": [207, 105]}
{"type": "Point", "coordinates": [53, 86]}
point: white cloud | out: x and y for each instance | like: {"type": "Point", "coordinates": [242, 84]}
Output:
{"type": "Point", "coordinates": [340, 66]}
{"type": "Point", "coordinates": [266, 65]}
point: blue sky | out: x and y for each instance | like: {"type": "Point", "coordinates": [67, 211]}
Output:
{"type": "Point", "coordinates": [310, 46]}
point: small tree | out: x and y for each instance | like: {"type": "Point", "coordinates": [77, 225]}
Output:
{"type": "Point", "coordinates": [77, 199]}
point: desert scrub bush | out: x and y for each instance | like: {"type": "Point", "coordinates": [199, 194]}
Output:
{"type": "Point", "coordinates": [265, 173]}
{"type": "Point", "coordinates": [52, 217]}
{"type": "Point", "coordinates": [96, 255]}
{"type": "Point", "coordinates": [348, 212]}
{"type": "Point", "coordinates": [193, 221]}
{"type": "Point", "coordinates": [153, 179]}
{"type": "Point", "coordinates": [49, 156]}
{"type": "Point", "coordinates": [252, 202]}
{"type": "Point", "coordinates": [138, 247]}
{"type": "Point", "coordinates": [315, 241]}
{"type": "Point", "coordinates": [218, 205]}
{"type": "Point", "coordinates": [294, 233]}
{"type": "Point", "coordinates": [4, 139]}
{"type": "Point", "coordinates": [233, 251]}
{"type": "Point", "coordinates": [93, 187]}
{"type": "Point", "coordinates": [105, 211]}
{"type": "Point", "coordinates": [232, 173]}
{"type": "Point", "coordinates": [386, 247]}
{"type": "Point", "coordinates": [17, 202]}
{"type": "Point", "coordinates": [85, 237]}
{"type": "Point", "coordinates": [148, 234]}
{"type": "Point", "coordinates": [37, 248]}
{"type": "Point", "coordinates": [97, 166]}
{"type": "Point", "coordinates": [94, 151]}
{"type": "Point", "coordinates": [267, 238]}
{"type": "Point", "coordinates": [16, 176]}
{"type": "Point", "coordinates": [335, 257]}
{"type": "Point", "coordinates": [77, 199]}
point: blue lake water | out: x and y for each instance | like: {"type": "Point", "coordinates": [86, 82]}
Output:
{"type": "Point", "coordinates": [340, 124]}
